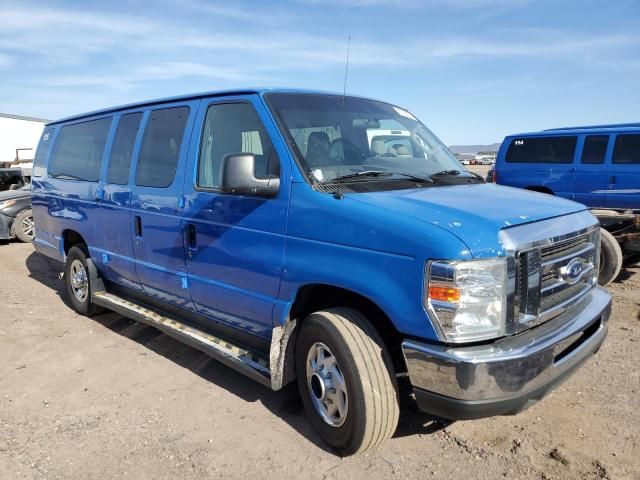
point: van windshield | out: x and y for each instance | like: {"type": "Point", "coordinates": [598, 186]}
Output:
{"type": "Point", "coordinates": [335, 136]}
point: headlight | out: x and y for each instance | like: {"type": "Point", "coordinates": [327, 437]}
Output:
{"type": "Point", "coordinates": [468, 298]}
{"type": "Point", "coordinates": [6, 203]}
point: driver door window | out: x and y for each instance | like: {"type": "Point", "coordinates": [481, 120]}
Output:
{"type": "Point", "coordinates": [233, 128]}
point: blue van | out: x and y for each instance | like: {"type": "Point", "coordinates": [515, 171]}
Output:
{"type": "Point", "coordinates": [275, 231]}
{"type": "Point", "coordinates": [598, 166]}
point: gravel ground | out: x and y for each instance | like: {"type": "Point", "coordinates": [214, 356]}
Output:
{"type": "Point", "coordinates": [110, 398]}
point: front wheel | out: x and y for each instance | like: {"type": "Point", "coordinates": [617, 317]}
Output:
{"type": "Point", "coordinates": [610, 258]}
{"type": "Point", "coordinates": [346, 380]}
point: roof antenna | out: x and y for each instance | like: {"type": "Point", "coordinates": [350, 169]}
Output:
{"type": "Point", "coordinates": [338, 194]}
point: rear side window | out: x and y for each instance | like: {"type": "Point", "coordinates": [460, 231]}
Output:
{"type": "Point", "coordinates": [122, 149]}
{"type": "Point", "coordinates": [161, 147]}
{"type": "Point", "coordinates": [233, 128]}
{"type": "Point", "coordinates": [77, 153]}
{"type": "Point", "coordinates": [541, 150]}
{"type": "Point", "coordinates": [595, 148]}
{"type": "Point", "coordinates": [627, 149]}
{"type": "Point", "coordinates": [42, 151]}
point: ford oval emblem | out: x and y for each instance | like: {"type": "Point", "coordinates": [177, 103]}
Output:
{"type": "Point", "coordinates": [572, 271]}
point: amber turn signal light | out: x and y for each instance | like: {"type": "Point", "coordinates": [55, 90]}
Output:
{"type": "Point", "coordinates": [444, 294]}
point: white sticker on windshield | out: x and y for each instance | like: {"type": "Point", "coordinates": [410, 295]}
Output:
{"type": "Point", "coordinates": [404, 113]}
{"type": "Point", "coordinates": [318, 174]}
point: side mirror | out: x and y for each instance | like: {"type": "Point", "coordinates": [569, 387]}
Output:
{"type": "Point", "coordinates": [239, 177]}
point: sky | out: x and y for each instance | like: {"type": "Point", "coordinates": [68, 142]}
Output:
{"type": "Point", "coordinates": [472, 70]}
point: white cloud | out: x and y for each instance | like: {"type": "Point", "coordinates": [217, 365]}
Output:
{"type": "Point", "coordinates": [6, 60]}
{"type": "Point", "coordinates": [69, 50]}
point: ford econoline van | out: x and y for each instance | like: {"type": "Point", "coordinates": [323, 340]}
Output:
{"type": "Point", "coordinates": [288, 236]}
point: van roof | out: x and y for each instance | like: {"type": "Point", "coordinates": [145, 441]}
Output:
{"type": "Point", "coordinates": [191, 96]}
{"type": "Point", "coordinates": [614, 127]}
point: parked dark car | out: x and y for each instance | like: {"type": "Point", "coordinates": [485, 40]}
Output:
{"type": "Point", "coordinates": [16, 219]}
{"type": "Point", "coordinates": [10, 177]}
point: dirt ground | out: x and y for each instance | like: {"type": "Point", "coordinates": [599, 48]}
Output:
{"type": "Point", "coordinates": [110, 398]}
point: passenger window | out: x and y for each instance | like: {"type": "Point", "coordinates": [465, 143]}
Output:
{"type": "Point", "coordinates": [41, 152]}
{"type": "Point", "coordinates": [595, 148]}
{"type": "Point", "coordinates": [77, 153]}
{"type": "Point", "coordinates": [122, 149]}
{"type": "Point", "coordinates": [627, 149]}
{"type": "Point", "coordinates": [161, 147]}
{"type": "Point", "coordinates": [233, 128]}
{"type": "Point", "coordinates": [542, 150]}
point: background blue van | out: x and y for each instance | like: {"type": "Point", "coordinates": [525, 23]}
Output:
{"type": "Point", "coordinates": [598, 166]}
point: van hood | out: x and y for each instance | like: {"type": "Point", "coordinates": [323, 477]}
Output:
{"type": "Point", "coordinates": [473, 213]}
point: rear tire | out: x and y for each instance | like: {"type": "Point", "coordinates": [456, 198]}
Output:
{"type": "Point", "coordinates": [23, 227]}
{"type": "Point", "coordinates": [363, 381]}
{"type": "Point", "coordinates": [610, 258]}
{"type": "Point", "coordinates": [78, 282]}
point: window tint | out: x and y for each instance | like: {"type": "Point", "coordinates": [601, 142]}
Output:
{"type": "Point", "coordinates": [595, 148]}
{"type": "Point", "coordinates": [233, 128]}
{"type": "Point", "coordinates": [541, 150]}
{"type": "Point", "coordinates": [42, 151]}
{"type": "Point", "coordinates": [122, 148]}
{"type": "Point", "coordinates": [161, 147]}
{"type": "Point", "coordinates": [77, 153]}
{"type": "Point", "coordinates": [627, 149]}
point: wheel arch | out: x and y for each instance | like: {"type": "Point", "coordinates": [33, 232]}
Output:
{"type": "Point", "coordinates": [70, 238]}
{"type": "Point", "coordinates": [313, 297]}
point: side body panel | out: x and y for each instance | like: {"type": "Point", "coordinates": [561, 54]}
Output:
{"type": "Point", "coordinates": [234, 264]}
{"type": "Point", "coordinates": [558, 178]}
{"type": "Point", "coordinates": [159, 246]}
{"type": "Point", "coordinates": [348, 244]}
{"type": "Point", "coordinates": [116, 260]}
{"type": "Point", "coordinates": [60, 205]}
{"type": "Point", "coordinates": [591, 179]}
{"type": "Point", "coordinates": [623, 190]}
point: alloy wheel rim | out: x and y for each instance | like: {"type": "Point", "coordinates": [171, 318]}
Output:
{"type": "Point", "coordinates": [326, 385]}
{"type": "Point", "coordinates": [79, 281]}
{"type": "Point", "coordinates": [27, 226]}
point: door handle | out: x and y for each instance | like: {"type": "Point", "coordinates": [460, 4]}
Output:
{"type": "Point", "coordinates": [138, 226]}
{"type": "Point", "coordinates": [612, 180]}
{"type": "Point", "coordinates": [192, 242]}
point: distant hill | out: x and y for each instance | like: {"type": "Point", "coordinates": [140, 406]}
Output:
{"type": "Point", "coordinates": [473, 149]}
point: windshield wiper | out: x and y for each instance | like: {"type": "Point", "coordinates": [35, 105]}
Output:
{"type": "Point", "coordinates": [446, 173]}
{"type": "Point", "coordinates": [362, 174]}
{"type": "Point", "coordinates": [376, 174]}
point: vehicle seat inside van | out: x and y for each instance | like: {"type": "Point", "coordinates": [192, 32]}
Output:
{"type": "Point", "coordinates": [317, 149]}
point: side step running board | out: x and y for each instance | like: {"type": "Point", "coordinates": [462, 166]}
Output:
{"type": "Point", "coordinates": [237, 358]}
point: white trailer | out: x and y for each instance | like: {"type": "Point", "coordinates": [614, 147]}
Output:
{"type": "Point", "coordinates": [19, 138]}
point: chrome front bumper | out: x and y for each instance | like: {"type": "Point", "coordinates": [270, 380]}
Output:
{"type": "Point", "coordinates": [507, 376]}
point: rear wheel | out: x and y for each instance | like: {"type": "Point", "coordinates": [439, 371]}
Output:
{"type": "Point", "coordinates": [610, 258]}
{"type": "Point", "coordinates": [23, 227]}
{"type": "Point", "coordinates": [78, 282]}
{"type": "Point", "coordinates": [346, 380]}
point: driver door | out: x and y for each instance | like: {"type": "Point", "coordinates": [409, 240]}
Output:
{"type": "Point", "coordinates": [234, 244]}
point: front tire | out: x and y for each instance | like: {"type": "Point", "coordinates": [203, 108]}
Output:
{"type": "Point", "coordinates": [78, 282]}
{"type": "Point", "coordinates": [346, 380]}
{"type": "Point", "coordinates": [610, 258]}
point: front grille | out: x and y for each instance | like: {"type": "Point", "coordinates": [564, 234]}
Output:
{"type": "Point", "coordinates": [554, 276]}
